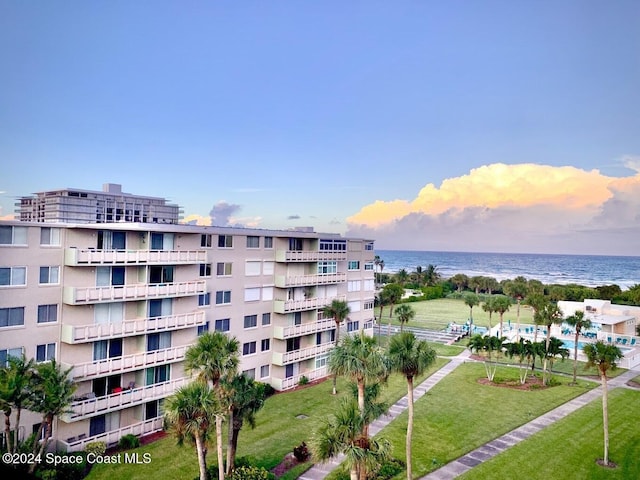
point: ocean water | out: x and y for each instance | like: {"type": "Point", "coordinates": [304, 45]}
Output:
{"type": "Point", "coordinates": [588, 270]}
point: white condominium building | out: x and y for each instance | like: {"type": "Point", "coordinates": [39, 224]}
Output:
{"type": "Point", "coordinates": [120, 303]}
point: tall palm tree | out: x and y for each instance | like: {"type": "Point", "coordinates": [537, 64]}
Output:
{"type": "Point", "coordinates": [405, 314]}
{"type": "Point", "coordinates": [487, 347]}
{"type": "Point", "coordinates": [394, 292]}
{"type": "Point", "coordinates": [501, 305]}
{"type": "Point", "coordinates": [339, 311]}
{"type": "Point", "coordinates": [605, 357]}
{"type": "Point", "coordinates": [190, 412]}
{"type": "Point", "coordinates": [547, 316]}
{"type": "Point", "coordinates": [488, 307]}
{"type": "Point", "coordinates": [410, 357]}
{"type": "Point", "coordinates": [471, 300]}
{"type": "Point", "coordinates": [52, 394]}
{"type": "Point", "coordinates": [402, 276]}
{"type": "Point", "coordinates": [537, 302]}
{"type": "Point", "coordinates": [554, 350]}
{"type": "Point", "coordinates": [431, 275]}
{"type": "Point", "coordinates": [517, 288]}
{"type": "Point", "coordinates": [579, 322]}
{"type": "Point", "coordinates": [524, 350]}
{"type": "Point", "coordinates": [460, 280]}
{"type": "Point", "coordinates": [15, 393]}
{"type": "Point", "coordinates": [212, 358]}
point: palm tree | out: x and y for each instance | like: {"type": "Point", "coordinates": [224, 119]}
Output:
{"type": "Point", "coordinates": [246, 397]}
{"type": "Point", "coordinates": [488, 307]}
{"type": "Point", "coordinates": [431, 275]}
{"type": "Point", "coordinates": [212, 358]}
{"type": "Point", "coordinates": [52, 394]}
{"type": "Point", "coordinates": [471, 300]}
{"type": "Point", "coordinates": [405, 314]}
{"type": "Point", "coordinates": [15, 393]}
{"type": "Point", "coordinates": [460, 280]}
{"type": "Point", "coordinates": [537, 302]}
{"type": "Point", "coordinates": [394, 292]}
{"type": "Point", "coordinates": [378, 263]}
{"type": "Point", "coordinates": [517, 288]}
{"type": "Point", "coordinates": [410, 357]}
{"type": "Point", "coordinates": [524, 350]}
{"type": "Point", "coordinates": [579, 322]}
{"type": "Point", "coordinates": [605, 357]}
{"type": "Point", "coordinates": [339, 311]}
{"type": "Point", "coordinates": [547, 316]}
{"type": "Point", "coordinates": [556, 348]}
{"type": "Point", "coordinates": [190, 412]}
{"type": "Point", "coordinates": [402, 276]}
{"type": "Point", "coordinates": [486, 346]}
{"type": "Point", "coordinates": [501, 305]}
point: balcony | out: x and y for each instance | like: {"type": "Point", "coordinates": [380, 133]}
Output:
{"type": "Point", "coordinates": [117, 401]}
{"type": "Point", "coordinates": [291, 382]}
{"type": "Point", "coordinates": [75, 257]}
{"type": "Point", "coordinates": [126, 363]}
{"type": "Point", "coordinates": [88, 295]}
{"type": "Point", "coordinates": [302, 354]}
{"type": "Point", "coordinates": [308, 256]}
{"type": "Point", "coordinates": [283, 281]}
{"type": "Point", "coordinates": [111, 438]}
{"type": "Point", "coordinates": [282, 333]}
{"type": "Point", "coordinates": [128, 328]}
{"type": "Point", "coordinates": [287, 306]}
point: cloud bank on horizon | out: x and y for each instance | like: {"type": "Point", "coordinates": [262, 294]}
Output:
{"type": "Point", "coordinates": [528, 208]}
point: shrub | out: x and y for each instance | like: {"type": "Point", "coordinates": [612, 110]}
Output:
{"type": "Point", "coordinates": [303, 380]}
{"type": "Point", "coordinates": [301, 452]}
{"type": "Point", "coordinates": [128, 441]}
{"type": "Point", "coordinates": [97, 448]}
{"type": "Point", "coordinates": [65, 471]}
{"type": "Point", "coordinates": [389, 469]}
{"type": "Point", "coordinates": [251, 473]}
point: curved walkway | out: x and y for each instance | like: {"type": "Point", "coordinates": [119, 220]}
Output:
{"type": "Point", "coordinates": [485, 452]}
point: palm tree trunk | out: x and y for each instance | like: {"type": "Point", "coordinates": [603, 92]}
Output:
{"type": "Point", "coordinates": [219, 446]}
{"type": "Point", "coordinates": [575, 356]}
{"type": "Point", "coordinates": [544, 365]}
{"type": "Point", "coordinates": [518, 321]}
{"type": "Point", "coordinates": [230, 454]}
{"type": "Point", "coordinates": [201, 459]}
{"type": "Point", "coordinates": [7, 428]}
{"type": "Point", "coordinates": [409, 426]}
{"type": "Point", "coordinates": [16, 440]}
{"type": "Point", "coordinates": [605, 417]}
{"type": "Point", "coordinates": [335, 344]}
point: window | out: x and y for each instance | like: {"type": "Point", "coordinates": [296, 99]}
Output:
{"type": "Point", "coordinates": [49, 236]}
{"type": "Point", "coordinates": [154, 409]}
{"type": "Point", "coordinates": [205, 269]}
{"type": "Point", "coordinates": [368, 325]}
{"type": "Point", "coordinates": [297, 318]}
{"type": "Point", "coordinates": [13, 276]}
{"type": "Point", "coordinates": [13, 235]}
{"type": "Point", "coordinates": [108, 240]}
{"type": "Point", "coordinates": [9, 352]}
{"type": "Point", "coordinates": [222, 325]}
{"type": "Point", "coordinates": [290, 370]}
{"type": "Point", "coordinates": [160, 308]}
{"type": "Point", "coordinates": [253, 242]}
{"type": "Point", "coordinates": [251, 373]}
{"type": "Point", "coordinates": [158, 374]}
{"type": "Point", "coordinates": [203, 328]}
{"type": "Point", "coordinates": [264, 371]}
{"type": "Point", "coordinates": [158, 341]}
{"type": "Point", "coordinates": [322, 360]}
{"type": "Point", "coordinates": [268, 242]}
{"type": "Point", "coordinates": [225, 241]}
{"type": "Point", "coordinates": [353, 326]}
{"type": "Point", "coordinates": [354, 286]}
{"type": "Point", "coordinates": [47, 313]}
{"type": "Point", "coordinates": [368, 266]}
{"type": "Point", "coordinates": [293, 344]}
{"type": "Point", "coordinates": [223, 269]}
{"type": "Point", "coordinates": [333, 245]}
{"type": "Point", "coordinates": [49, 275]}
{"type": "Point", "coordinates": [268, 267]}
{"type": "Point", "coordinates": [368, 305]}
{"type": "Point", "coordinates": [205, 240]}
{"type": "Point", "coordinates": [45, 352]}
{"type": "Point", "coordinates": [161, 274]}
{"type": "Point", "coordinates": [251, 294]}
{"type": "Point", "coordinates": [368, 286]}
{"type": "Point", "coordinates": [266, 319]}
{"type": "Point", "coordinates": [11, 317]}
{"type": "Point", "coordinates": [103, 349]}
{"type": "Point", "coordinates": [325, 268]}
{"type": "Point", "coordinates": [353, 265]}
{"type": "Point", "coordinates": [204, 299]}
{"type": "Point", "coordinates": [223, 297]}
{"type": "Point", "coordinates": [250, 321]}
{"type": "Point", "coordinates": [252, 268]}
{"type": "Point", "coordinates": [368, 246]}
{"type": "Point", "coordinates": [295, 244]}
{"type": "Point", "coordinates": [354, 306]}
{"type": "Point", "coordinates": [161, 241]}
{"type": "Point", "coordinates": [109, 276]}
{"type": "Point", "coordinates": [265, 345]}
{"type": "Point", "coordinates": [248, 348]}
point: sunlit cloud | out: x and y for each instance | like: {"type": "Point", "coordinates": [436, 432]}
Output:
{"type": "Point", "coordinates": [195, 219]}
{"type": "Point", "coordinates": [222, 212]}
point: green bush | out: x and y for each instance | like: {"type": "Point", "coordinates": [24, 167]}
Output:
{"type": "Point", "coordinates": [301, 452]}
{"type": "Point", "coordinates": [65, 471]}
{"type": "Point", "coordinates": [129, 441]}
{"type": "Point", "coordinates": [303, 380]}
{"type": "Point", "coordinates": [97, 448]}
{"type": "Point", "coordinates": [390, 469]}
{"type": "Point", "coordinates": [251, 473]}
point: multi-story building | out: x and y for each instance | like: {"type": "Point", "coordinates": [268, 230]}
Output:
{"type": "Point", "coordinates": [119, 304]}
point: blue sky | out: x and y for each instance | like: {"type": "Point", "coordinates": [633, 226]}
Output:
{"type": "Point", "coordinates": [308, 113]}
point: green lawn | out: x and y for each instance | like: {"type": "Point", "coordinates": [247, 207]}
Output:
{"type": "Point", "coordinates": [276, 433]}
{"type": "Point", "coordinates": [569, 448]}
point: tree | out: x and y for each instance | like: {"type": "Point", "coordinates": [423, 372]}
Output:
{"type": "Point", "coordinates": [555, 348]}
{"type": "Point", "coordinates": [52, 394]}
{"type": "Point", "coordinates": [431, 275]}
{"type": "Point", "coordinates": [487, 346]}
{"type": "Point", "coordinates": [578, 322]}
{"type": "Point", "coordinates": [379, 264]}
{"type": "Point", "coordinates": [501, 305]}
{"type": "Point", "coordinates": [410, 357]}
{"type": "Point", "coordinates": [476, 283]}
{"type": "Point", "coordinates": [383, 299]}
{"type": "Point", "coordinates": [245, 397]}
{"type": "Point", "coordinates": [212, 358]}
{"type": "Point", "coordinates": [471, 300]}
{"type": "Point", "coordinates": [604, 357]}
{"type": "Point", "coordinates": [524, 350]}
{"type": "Point", "coordinates": [488, 307]}
{"type": "Point", "coordinates": [517, 288]}
{"type": "Point", "coordinates": [393, 292]}
{"type": "Point", "coordinates": [339, 311]}
{"type": "Point", "coordinates": [537, 302]}
{"type": "Point", "coordinates": [190, 412]}
{"type": "Point", "coordinates": [15, 393]}
{"type": "Point", "coordinates": [460, 280]}
{"type": "Point", "coordinates": [402, 276]}
{"type": "Point", "coordinates": [547, 316]}
{"type": "Point", "coordinates": [405, 314]}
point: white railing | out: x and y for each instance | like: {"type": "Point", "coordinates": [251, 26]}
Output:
{"type": "Point", "coordinates": [86, 295]}
{"type": "Point", "coordinates": [291, 382]}
{"type": "Point", "coordinates": [77, 256]}
{"type": "Point", "coordinates": [111, 438]}
{"type": "Point", "coordinates": [283, 281]}
{"type": "Point", "coordinates": [126, 363]}
{"type": "Point", "coordinates": [283, 333]}
{"type": "Point", "coordinates": [128, 328]}
{"type": "Point", "coordinates": [302, 354]}
{"type": "Point", "coordinates": [308, 256]}
{"type": "Point", "coordinates": [286, 306]}
{"type": "Point", "coordinates": [126, 398]}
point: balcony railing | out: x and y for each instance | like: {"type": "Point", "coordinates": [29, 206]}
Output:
{"type": "Point", "coordinates": [283, 281]}
{"type": "Point", "coordinates": [286, 306]}
{"type": "Point", "coordinates": [77, 257]}
{"type": "Point", "coordinates": [127, 398]}
{"type": "Point", "coordinates": [87, 295]}
{"type": "Point", "coordinates": [112, 437]}
{"type": "Point", "coordinates": [308, 256]}
{"type": "Point", "coordinates": [126, 363]}
{"type": "Point", "coordinates": [282, 333]}
{"type": "Point", "coordinates": [291, 382]}
{"type": "Point", "coordinates": [129, 328]}
{"type": "Point", "coordinates": [302, 354]}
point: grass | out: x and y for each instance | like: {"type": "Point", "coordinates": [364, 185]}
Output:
{"type": "Point", "coordinates": [277, 432]}
{"type": "Point", "coordinates": [569, 448]}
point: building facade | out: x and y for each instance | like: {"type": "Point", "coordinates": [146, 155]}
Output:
{"type": "Point", "coordinates": [119, 304]}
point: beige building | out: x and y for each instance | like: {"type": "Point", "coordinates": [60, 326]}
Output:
{"type": "Point", "coordinates": [120, 303]}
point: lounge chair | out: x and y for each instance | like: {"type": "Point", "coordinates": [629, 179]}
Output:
{"type": "Point", "coordinates": [633, 342]}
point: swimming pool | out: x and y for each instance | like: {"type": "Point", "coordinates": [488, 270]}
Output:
{"type": "Point", "coordinates": [570, 344]}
